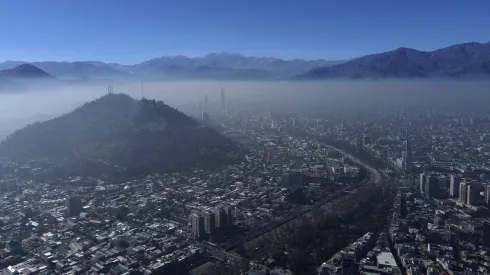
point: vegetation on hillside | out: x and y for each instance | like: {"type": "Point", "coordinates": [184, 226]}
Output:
{"type": "Point", "coordinates": [116, 130]}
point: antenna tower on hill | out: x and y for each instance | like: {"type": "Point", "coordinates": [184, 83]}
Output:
{"type": "Point", "coordinates": [110, 89]}
{"type": "Point", "coordinates": [142, 90]}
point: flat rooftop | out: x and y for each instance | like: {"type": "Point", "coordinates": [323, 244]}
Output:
{"type": "Point", "coordinates": [387, 259]}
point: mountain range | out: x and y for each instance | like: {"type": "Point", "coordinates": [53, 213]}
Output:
{"type": "Point", "coordinates": [215, 65]}
{"type": "Point", "coordinates": [119, 132]}
{"type": "Point", "coordinates": [467, 60]}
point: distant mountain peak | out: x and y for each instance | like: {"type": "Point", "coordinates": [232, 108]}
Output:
{"type": "Point", "coordinates": [26, 70]}
{"type": "Point", "coordinates": [179, 56]}
{"type": "Point", "coordinates": [404, 49]}
{"type": "Point", "coordinates": [14, 61]}
{"type": "Point", "coordinates": [224, 55]}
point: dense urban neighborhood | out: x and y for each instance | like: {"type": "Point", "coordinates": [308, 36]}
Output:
{"type": "Point", "coordinates": [388, 194]}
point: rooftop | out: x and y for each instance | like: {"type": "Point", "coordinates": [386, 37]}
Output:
{"type": "Point", "coordinates": [386, 258]}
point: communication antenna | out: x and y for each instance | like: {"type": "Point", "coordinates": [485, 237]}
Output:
{"type": "Point", "coordinates": [142, 90]}
{"type": "Point", "coordinates": [110, 89]}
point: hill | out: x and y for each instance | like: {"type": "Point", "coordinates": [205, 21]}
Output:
{"type": "Point", "coordinates": [462, 60]}
{"type": "Point", "coordinates": [117, 131]}
{"type": "Point", "coordinates": [25, 71]}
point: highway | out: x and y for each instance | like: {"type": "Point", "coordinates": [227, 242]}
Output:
{"type": "Point", "coordinates": [376, 176]}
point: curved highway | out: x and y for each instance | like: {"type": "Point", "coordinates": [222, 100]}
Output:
{"type": "Point", "coordinates": [376, 176]}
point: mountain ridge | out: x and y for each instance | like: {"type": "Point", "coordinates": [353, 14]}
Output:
{"type": "Point", "coordinates": [460, 60]}
{"type": "Point", "coordinates": [230, 65]}
{"type": "Point", "coordinates": [465, 60]}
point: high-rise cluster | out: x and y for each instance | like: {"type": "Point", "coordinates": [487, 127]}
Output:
{"type": "Point", "coordinates": [468, 193]}
{"type": "Point", "coordinates": [212, 221]}
{"type": "Point", "coordinates": [429, 185]}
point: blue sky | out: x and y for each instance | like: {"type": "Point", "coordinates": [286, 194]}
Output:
{"type": "Point", "coordinates": [130, 31]}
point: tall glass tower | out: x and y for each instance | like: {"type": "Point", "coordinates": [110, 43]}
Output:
{"type": "Point", "coordinates": [407, 157]}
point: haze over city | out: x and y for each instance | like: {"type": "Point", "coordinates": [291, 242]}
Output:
{"type": "Point", "coordinates": [244, 137]}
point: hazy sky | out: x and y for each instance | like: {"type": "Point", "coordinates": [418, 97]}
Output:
{"type": "Point", "coordinates": [133, 31]}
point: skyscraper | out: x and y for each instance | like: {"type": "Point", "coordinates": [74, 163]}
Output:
{"type": "Point", "coordinates": [210, 222]}
{"type": "Point", "coordinates": [205, 116]}
{"type": "Point", "coordinates": [423, 180]}
{"type": "Point", "coordinates": [432, 187]}
{"type": "Point", "coordinates": [407, 157]}
{"type": "Point", "coordinates": [197, 223]}
{"type": "Point", "coordinates": [471, 194]}
{"type": "Point", "coordinates": [223, 103]}
{"type": "Point", "coordinates": [293, 179]}
{"type": "Point", "coordinates": [486, 232]}
{"type": "Point", "coordinates": [463, 195]}
{"type": "Point", "coordinates": [229, 216]}
{"type": "Point", "coordinates": [221, 218]}
{"type": "Point", "coordinates": [74, 206]}
{"type": "Point", "coordinates": [224, 176]}
{"type": "Point", "coordinates": [454, 184]}
{"type": "Point", "coordinates": [403, 206]}
{"type": "Point", "coordinates": [206, 106]}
